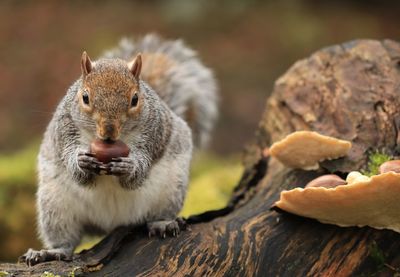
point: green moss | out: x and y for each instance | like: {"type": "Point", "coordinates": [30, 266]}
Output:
{"type": "Point", "coordinates": [4, 273]}
{"type": "Point", "coordinates": [377, 256]}
{"type": "Point", "coordinates": [74, 271]}
{"type": "Point", "coordinates": [376, 158]}
{"type": "Point", "coordinates": [49, 274]}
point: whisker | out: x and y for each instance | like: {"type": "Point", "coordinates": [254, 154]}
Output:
{"type": "Point", "coordinates": [40, 112]}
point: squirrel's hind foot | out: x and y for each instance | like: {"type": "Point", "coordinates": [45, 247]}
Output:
{"type": "Point", "coordinates": [163, 228]}
{"type": "Point", "coordinates": [33, 257]}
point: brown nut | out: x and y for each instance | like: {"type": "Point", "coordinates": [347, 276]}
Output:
{"type": "Point", "coordinates": [390, 166]}
{"type": "Point", "coordinates": [326, 181]}
{"type": "Point", "coordinates": [106, 151]}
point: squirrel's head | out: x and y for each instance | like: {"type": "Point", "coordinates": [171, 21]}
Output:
{"type": "Point", "coordinates": [110, 94]}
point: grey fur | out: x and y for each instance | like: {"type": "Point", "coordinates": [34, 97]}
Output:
{"type": "Point", "coordinates": [187, 83]}
{"type": "Point", "coordinates": [147, 186]}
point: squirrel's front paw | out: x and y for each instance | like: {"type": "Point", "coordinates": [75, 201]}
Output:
{"type": "Point", "coordinates": [120, 166]}
{"type": "Point", "coordinates": [163, 228]}
{"type": "Point", "coordinates": [87, 162]}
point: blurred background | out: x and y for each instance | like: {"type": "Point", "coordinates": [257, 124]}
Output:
{"type": "Point", "coordinates": [248, 44]}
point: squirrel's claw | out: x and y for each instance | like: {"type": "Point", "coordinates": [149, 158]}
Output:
{"type": "Point", "coordinates": [103, 167]}
{"type": "Point", "coordinates": [86, 154]}
{"type": "Point", "coordinates": [116, 159]}
{"type": "Point", "coordinates": [87, 162]}
{"type": "Point", "coordinates": [33, 257]}
{"type": "Point", "coordinates": [120, 166]}
{"type": "Point", "coordinates": [163, 228]}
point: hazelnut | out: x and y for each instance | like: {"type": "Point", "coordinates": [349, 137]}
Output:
{"type": "Point", "coordinates": [105, 151]}
{"type": "Point", "coordinates": [390, 166]}
{"type": "Point", "coordinates": [326, 181]}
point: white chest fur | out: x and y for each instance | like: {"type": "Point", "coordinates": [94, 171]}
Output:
{"type": "Point", "coordinates": [108, 205]}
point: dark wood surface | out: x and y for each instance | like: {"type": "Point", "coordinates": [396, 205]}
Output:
{"type": "Point", "coordinates": [349, 91]}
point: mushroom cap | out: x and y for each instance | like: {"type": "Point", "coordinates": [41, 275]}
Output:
{"type": "Point", "coordinates": [326, 181]}
{"type": "Point", "coordinates": [393, 165]}
{"type": "Point", "coordinates": [374, 202]}
{"type": "Point", "coordinates": [304, 149]}
{"type": "Point", "coordinates": [356, 177]}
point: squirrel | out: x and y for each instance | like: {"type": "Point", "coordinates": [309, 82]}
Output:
{"type": "Point", "coordinates": [160, 108]}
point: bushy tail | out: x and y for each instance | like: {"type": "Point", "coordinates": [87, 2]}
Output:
{"type": "Point", "coordinates": [175, 72]}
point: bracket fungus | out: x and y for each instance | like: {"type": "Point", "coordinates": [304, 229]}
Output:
{"type": "Point", "coordinates": [373, 202]}
{"type": "Point", "coordinates": [304, 149]}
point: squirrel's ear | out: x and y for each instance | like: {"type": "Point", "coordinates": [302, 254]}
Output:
{"type": "Point", "coordinates": [135, 66]}
{"type": "Point", "coordinates": [86, 64]}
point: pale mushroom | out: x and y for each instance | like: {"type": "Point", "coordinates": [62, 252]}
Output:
{"type": "Point", "coordinates": [374, 202]}
{"type": "Point", "coordinates": [304, 149]}
{"type": "Point", "coordinates": [355, 177]}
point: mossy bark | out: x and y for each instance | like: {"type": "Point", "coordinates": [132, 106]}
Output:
{"type": "Point", "coordinates": [349, 91]}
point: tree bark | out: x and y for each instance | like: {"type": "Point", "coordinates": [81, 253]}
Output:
{"type": "Point", "coordinates": [349, 91]}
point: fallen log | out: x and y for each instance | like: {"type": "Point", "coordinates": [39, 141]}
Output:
{"type": "Point", "coordinates": [349, 91]}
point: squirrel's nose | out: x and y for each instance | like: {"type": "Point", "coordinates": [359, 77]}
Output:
{"type": "Point", "coordinates": [107, 132]}
{"type": "Point", "coordinates": [110, 129]}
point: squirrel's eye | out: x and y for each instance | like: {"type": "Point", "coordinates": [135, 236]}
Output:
{"type": "Point", "coordinates": [85, 98]}
{"type": "Point", "coordinates": [134, 100]}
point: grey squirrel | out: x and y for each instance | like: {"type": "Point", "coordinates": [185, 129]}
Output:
{"type": "Point", "coordinates": [149, 106]}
